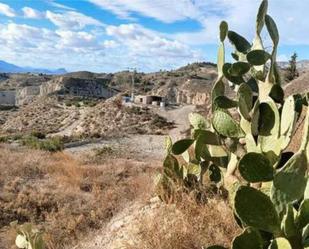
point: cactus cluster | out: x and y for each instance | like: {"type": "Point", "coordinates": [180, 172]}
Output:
{"type": "Point", "coordinates": [28, 237]}
{"type": "Point", "coordinates": [246, 140]}
{"type": "Point", "coordinates": [190, 162]}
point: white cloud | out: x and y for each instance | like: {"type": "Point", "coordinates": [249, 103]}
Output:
{"type": "Point", "coordinates": [23, 38]}
{"type": "Point", "coordinates": [58, 5]}
{"type": "Point", "coordinates": [7, 10]}
{"type": "Point", "coordinates": [147, 43]}
{"type": "Point", "coordinates": [149, 50]}
{"type": "Point", "coordinates": [32, 13]}
{"type": "Point", "coordinates": [127, 45]}
{"type": "Point", "coordinates": [291, 16]}
{"type": "Point", "coordinates": [39, 47]}
{"type": "Point", "coordinates": [77, 41]}
{"type": "Point", "coordinates": [71, 20]}
{"type": "Point", "coordinates": [114, 47]}
{"type": "Point", "coordinates": [166, 11]}
{"type": "Point", "coordinates": [110, 44]}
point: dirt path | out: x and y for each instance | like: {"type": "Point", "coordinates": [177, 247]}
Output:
{"type": "Point", "coordinates": [180, 117]}
{"type": "Point", "coordinates": [140, 146]}
{"type": "Point", "coordinates": [136, 146]}
{"type": "Point", "coordinates": [122, 231]}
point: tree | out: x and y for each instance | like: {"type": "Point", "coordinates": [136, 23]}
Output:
{"type": "Point", "coordinates": [292, 72]}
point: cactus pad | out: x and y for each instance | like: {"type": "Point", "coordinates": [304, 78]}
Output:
{"type": "Point", "coordinates": [181, 146]}
{"type": "Point", "coordinates": [250, 238]}
{"type": "Point", "coordinates": [255, 167]}
{"type": "Point", "coordinates": [198, 121]}
{"type": "Point", "coordinates": [256, 209]}
{"type": "Point", "coordinates": [280, 243]}
{"type": "Point", "coordinates": [226, 126]}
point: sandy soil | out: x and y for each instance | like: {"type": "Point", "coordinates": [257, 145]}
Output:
{"type": "Point", "coordinates": [143, 146]}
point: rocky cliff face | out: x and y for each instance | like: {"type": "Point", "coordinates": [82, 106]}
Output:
{"type": "Point", "coordinates": [50, 86]}
{"type": "Point", "coordinates": [92, 88]}
{"type": "Point", "coordinates": [190, 91]}
{"type": "Point", "coordinates": [187, 97]}
{"type": "Point", "coordinates": [26, 94]}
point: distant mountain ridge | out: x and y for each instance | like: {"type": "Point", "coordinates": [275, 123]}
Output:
{"type": "Point", "coordinates": [6, 67]}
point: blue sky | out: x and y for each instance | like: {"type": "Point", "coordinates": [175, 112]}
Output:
{"type": "Point", "coordinates": [112, 35]}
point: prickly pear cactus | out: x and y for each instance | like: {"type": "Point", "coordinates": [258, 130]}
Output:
{"type": "Point", "coordinates": [28, 237]}
{"type": "Point", "coordinates": [246, 141]}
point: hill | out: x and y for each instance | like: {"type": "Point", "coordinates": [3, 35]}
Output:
{"type": "Point", "coordinates": [299, 85]}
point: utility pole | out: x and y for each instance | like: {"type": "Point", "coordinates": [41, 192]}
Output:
{"type": "Point", "coordinates": [133, 82]}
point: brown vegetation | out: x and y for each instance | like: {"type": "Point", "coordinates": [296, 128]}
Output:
{"type": "Point", "coordinates": [70, 198]}
{"type": "Point", "coordinates": [188, 225]}
{"type": "Point", "coordinates": [65, 197]}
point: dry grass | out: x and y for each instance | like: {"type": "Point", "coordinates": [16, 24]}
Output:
{"type": "Point", "coordinates": [63, 196]}
{"type": "Point", "coordinates": [70, 198]}
{"type": "Point", "coordinates": [188, 226]}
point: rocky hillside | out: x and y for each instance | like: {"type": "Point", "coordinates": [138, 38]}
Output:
{"type": "Point", "coordinates": [54, 115]}
{"type": "Point", "coordinates": [302, 65]}
{"type": "Point", "coordinates": [43, 114]}
{"type": "Point", "coordinates": [17, 81]}
{"type": "Point", "coordinates": [299, 85]}
{"type": "Point", "coordinates": [189, 84]}
{"type": "Point", "coordinates": [111, 118]}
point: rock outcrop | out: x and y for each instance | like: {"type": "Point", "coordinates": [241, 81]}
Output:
{"type": "Point", "coordinates": [89, 88]}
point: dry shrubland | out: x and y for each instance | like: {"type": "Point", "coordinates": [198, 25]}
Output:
{"type": "Point", "coordinates": [188, 225]}
{"type": "Point", "coordinates": [63, 196]}
{"type": "Point", "coordinates": [70, 198]}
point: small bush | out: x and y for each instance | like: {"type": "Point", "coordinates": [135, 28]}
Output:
{"type": "Point", "coordinates": [68, 103]}
{"type": "Point", "coordinates": [77, 104]}
{"type": "Point", "coordinates": [134, 110]}
{"type": "Point", "coordinates": [105, 150]}
{"type": "Point", "coordinates": [51, 144]}
{"type": "Point", "coordinates": [7, 107]}
{"type": "Point", "coordinates": [160, 122]}
{"type": "Point", "coordinates": [90, 103]}
{"type": "Point", "coordinates": [8, 138]}
{"type": "Point", "coordinates": [38, 134]}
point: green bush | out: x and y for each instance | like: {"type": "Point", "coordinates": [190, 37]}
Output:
{"type": "Point", "coordinates": [9, 138]}
{"type": "Point", "coordinates": [38, 134]}
{"type": "Point", "coordinates": [68, 103]}
{"type": "Point", "coordinates": [50, 144]}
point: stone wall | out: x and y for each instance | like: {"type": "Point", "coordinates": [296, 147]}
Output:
{"type": "Point", "coordinates": [8, 98]}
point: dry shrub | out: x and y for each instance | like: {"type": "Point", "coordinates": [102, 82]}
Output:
{"type": "Point", "coordinates": [188, 226]}
{"type": "Point", "coordinates": [63, 196]}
